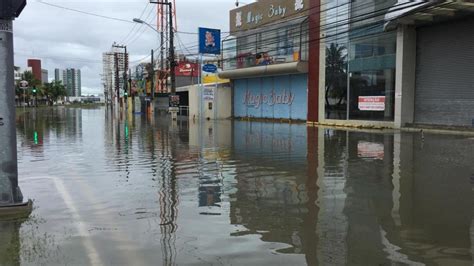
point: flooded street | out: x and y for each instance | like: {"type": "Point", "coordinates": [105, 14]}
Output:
{"type": "Point", "coordinates": [129, 190]}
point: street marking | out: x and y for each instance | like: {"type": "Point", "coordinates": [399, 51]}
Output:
{"type": "Point", "coordinates": [92, 254]}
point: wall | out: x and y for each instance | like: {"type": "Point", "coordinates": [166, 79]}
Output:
{"type": "Point", "coordinates": [272, 97]}
{"type": "Point", "coordinates": [222, 102]}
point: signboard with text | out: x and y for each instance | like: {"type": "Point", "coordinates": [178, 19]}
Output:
{"type": "Point", "coordinates": [263, 12]}
{"type": "Point", "coordinates": [187, 69]}
{"type": "Point", "coordinates": [372, 103]}
{"type": "Point", "coordinates": [209, 41]}
{"type": "Point", "coordinates": [208, 94]}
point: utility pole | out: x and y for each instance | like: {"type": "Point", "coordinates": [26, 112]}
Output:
{"type": "Point", "coordinates": [171, 59]}
{"type": "Point", "coordinates": [125, 70]}
{"type": "Point", "coordinates": [152, 74]}
{"type": "Point", "coordinates": [11, 201]}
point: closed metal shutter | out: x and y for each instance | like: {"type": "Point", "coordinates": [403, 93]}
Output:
{"type": "Point", "coordinates": [445, 74]}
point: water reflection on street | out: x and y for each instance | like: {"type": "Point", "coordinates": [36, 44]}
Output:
{"type": "Point", "coordinates": [129, 190]}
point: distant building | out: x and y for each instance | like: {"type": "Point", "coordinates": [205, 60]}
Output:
{"type": "Point", "coordinates": [44, 76]}
{"type": "Point", "coordinates": [58, 75]}
{"type": "Point", "coordinates": [115, 67]}
{"type": "Point", "coordinates": [35, 65]}
{"type": "Point", "coordinates": [18, 73]}
{"type": "Point", "coordinates": [71, 79]}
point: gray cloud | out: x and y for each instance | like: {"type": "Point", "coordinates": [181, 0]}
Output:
{"type": "Point", "coordinates": [62, 38]}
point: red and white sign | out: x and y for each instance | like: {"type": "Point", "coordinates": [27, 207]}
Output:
{"type": "Point", "coordinates": [187, 69]}
{"type": "Point", "coordinates": [372, 103]}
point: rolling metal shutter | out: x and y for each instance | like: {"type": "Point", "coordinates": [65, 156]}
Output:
{"type": "Point", "coordinates": [445, 74]}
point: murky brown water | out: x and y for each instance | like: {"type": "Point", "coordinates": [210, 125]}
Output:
{"type": "Point", "coordinates": [130, 191]}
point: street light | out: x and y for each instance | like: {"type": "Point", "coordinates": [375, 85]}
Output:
{"type": "Point", "coordinates": [139, 21]}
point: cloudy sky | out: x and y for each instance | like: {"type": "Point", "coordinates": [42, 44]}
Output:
{"type": "Point", "coordinates": [66, 39]}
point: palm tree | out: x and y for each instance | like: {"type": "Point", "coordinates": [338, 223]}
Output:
{"type": "Point", "coordinates": [336, 72]}
{"type": "Point", "coordinates": [53, 91]}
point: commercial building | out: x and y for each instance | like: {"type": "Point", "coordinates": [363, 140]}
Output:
{"type": "Point", "coordinates": [353, 63]}
{"type": "Point", "coordinates": [267, 59]}
{"type": "Point", "coordinates": [35, 65]}
{"type": "Point", "coordinates": [435, 61]}
{"type": "Point", "coordinates": [394, 63]}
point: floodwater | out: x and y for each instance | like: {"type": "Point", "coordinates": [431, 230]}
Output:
{"type": "Point", "coordinates": [127, 190]}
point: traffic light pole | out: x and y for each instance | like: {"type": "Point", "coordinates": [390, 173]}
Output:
{"type": "Point", "coordinates": [8, 152]}
{"type": "Point", "coordinates": [11, 199]}
{"type": "Point", "coordinates": [10, 194]}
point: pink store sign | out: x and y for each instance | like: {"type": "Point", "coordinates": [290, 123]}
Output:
{"type": "Point", "coordinates": [372, 103]}
{"type": "Point", "coordinates": [271, 99]}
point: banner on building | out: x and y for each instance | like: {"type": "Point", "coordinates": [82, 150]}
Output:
{"type": "Point", "coordinates": [372, 103]}
{"type": "Point", "coordinates": [187, 69]}
{"type": "Point", "coordinates": [209, 41]}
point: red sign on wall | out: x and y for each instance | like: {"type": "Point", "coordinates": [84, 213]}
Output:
{"type": "Point", "coordinates": [372, 103]}
{"type": "Point", "coordinates": [187, 69]}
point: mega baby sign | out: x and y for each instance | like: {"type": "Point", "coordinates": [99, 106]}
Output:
{"type": "Point", "coordinates": [275, 97]}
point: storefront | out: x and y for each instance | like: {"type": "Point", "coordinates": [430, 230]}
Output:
{"type": "Point", "coordinates": [445, 84]}
{"type": "Point", "coordinates": [360, 60]}
{"type": "Point", "coordinates": [271, 97]}
{"type": "Point", "coordinates": [267, 59]}
{"type": "Point", "coordinates": [435, 62]}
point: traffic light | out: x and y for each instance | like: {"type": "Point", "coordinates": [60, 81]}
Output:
{"type": "Point", "coordinates": [34, 90]}
{"type": "Point", "coordinates": [10, 9]}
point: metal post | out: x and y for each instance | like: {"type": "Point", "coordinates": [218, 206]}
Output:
{"type": "Point", "coordinates": [201, 88]}
{"type": "Point", "coordinates": [8, 152]}
{"type": "Point", "coordinates": [152, 74]}
{"type": "Point", "coordinates": [172, 59]}
{"type": "Point", "coordinates": [162, 53]}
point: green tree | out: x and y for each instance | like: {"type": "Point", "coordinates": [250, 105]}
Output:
{"type": "Point", "coordinates": [53, 91]}
{"type": "Point", "coordinates": [336, 73]}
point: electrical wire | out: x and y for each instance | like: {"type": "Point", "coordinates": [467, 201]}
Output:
{"type": "Point", "coordinates": [142, 27]}
{"type": "Point", "coordinates": [82, 12]}
{"type": "Point", "coordinates": [135, 24]}
{"type": "Point", "coordinates": [363, 17]}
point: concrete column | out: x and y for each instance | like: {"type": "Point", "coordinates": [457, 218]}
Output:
{"type": "Point", "coordinates": [388, 73]}
{"type": "Point", "coordinates": [405, 76]}
{"type": "Point", "coordinates": [313, 60]}
{"type": "Point", "coordinates": [9, 191]}
{"type": "Point", "coordinates": [322, 65]}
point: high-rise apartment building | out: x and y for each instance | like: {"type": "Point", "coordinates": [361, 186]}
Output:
{"type": "Point", "coordinates": [71, 79]}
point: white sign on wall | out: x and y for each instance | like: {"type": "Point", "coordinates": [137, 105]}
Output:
{"type": "Point", "coordinates": [208, 94]}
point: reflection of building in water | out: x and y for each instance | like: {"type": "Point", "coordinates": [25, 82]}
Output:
{"type": "Point", "coordinates": [365, 199]}
{"type": "Point", "coordinates": [39, 126]}
{"type": "Point", "coordinates": [272, 191]}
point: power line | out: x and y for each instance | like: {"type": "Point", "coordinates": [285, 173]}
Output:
{"type": "Point", "coordinates": [83, 12]}
{"type": "Point", "coordinates": [365, 16]}
{"type": "Point", "coordinates": [135, 24]}
{"type": "Point", "coordinates": [142, 27]}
